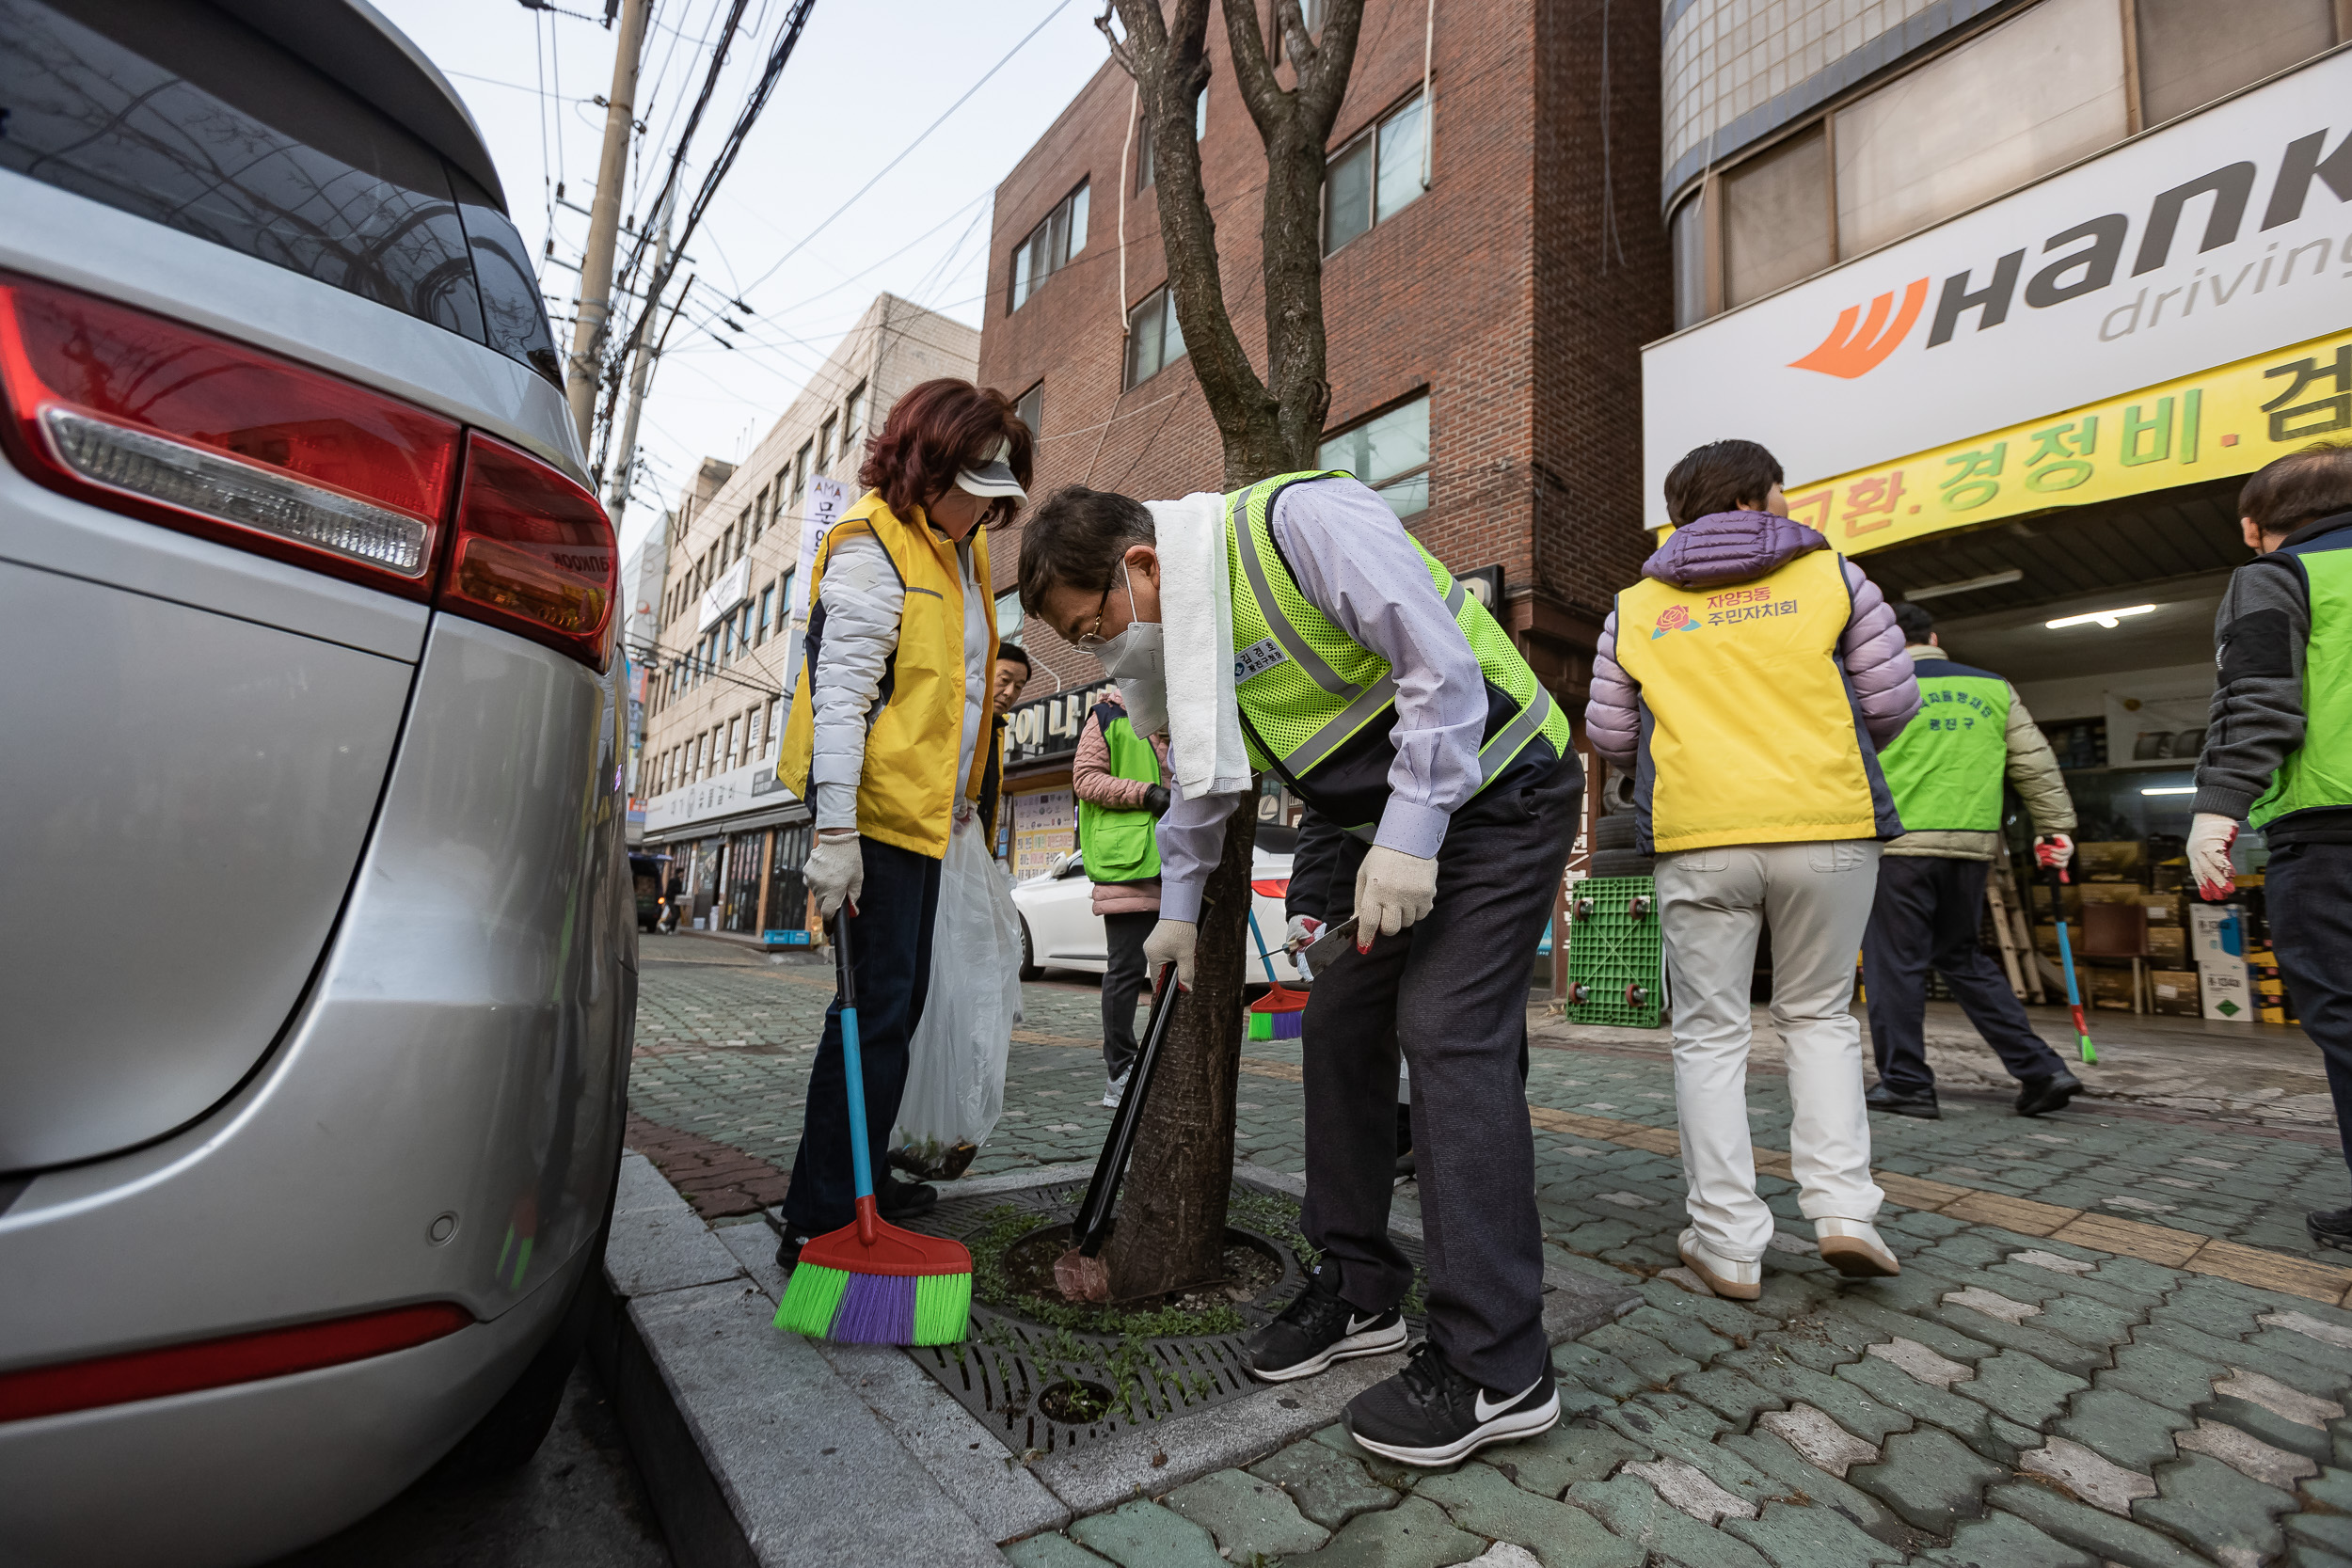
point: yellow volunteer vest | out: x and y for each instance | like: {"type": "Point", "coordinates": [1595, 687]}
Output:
{"type": "Point", "coordinates": [1751, 737]}
{"type": "Point", "coordinates": [906, 795]}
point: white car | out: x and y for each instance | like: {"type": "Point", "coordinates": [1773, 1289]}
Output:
{"type": "Point", "coordinates": [1059, 929]}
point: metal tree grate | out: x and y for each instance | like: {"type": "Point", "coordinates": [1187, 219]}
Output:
{"type": "Point", "coordinates": [1007, 1364]}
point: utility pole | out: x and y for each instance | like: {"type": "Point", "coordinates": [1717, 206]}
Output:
{"type": "Point", "coordinates": [604, 223]}
{"type": "Point", "coordinates": [641, 371]}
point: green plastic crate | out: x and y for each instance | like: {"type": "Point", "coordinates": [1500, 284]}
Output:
{"type": "Point", "coordinates": [1610, 948]}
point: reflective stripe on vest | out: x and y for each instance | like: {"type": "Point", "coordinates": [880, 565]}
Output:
{"type": "Point", "coordinates": [1749, 733]}
{"type": "Point", "coordinates": [1338, 706]}
{"type": "Point", "coordinates": [1119, 846]}
{"type": "Point", "coordinates": [1946, 766]}
{"type": "Point", "coordinates": [2318, 774]}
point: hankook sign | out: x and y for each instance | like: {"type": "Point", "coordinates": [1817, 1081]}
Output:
{"type": "Point", "coordinates": [2218, 237]}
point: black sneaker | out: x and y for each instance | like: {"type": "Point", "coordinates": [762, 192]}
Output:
{"type": "Point", "coordinates": [2040, 1095]}
{"type": "Point", "coordinates": [2329, 1228]}
{"type": "Point", "coordinates": [897, 1200]}
{"type": "Point", "coordinates": [1429, 1415]}
{"type": "Point", "coordinates": [1918, 1102]}
{"type": "Point", "coordinates": [1319, 1328]}
{"type": "Point", "coordinates": [788, 1249]}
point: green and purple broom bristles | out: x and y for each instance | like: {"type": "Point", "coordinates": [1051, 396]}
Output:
{"type": "Point", "coordinates": [1280, 1013]}
{"type": "Point", "coordinates": [869, 1283]}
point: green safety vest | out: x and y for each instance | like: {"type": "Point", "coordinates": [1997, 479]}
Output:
{"type": "Point", "coordinates": [2318, 773]}
{"type": "Point", "coordinates": [1119, 846]}
{"type": "Point", "coordinates": [1307, 687]}
{"type": "Point", "coordinates": [1947, 767]}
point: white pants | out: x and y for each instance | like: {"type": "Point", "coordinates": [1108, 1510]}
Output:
{"type": "Point", "coordinates": [1710, 903]}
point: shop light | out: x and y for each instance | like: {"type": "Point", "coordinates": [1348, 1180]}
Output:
{"type": "Point", "coordinates": [2107, 618]}
{"type": "Point", "coordinates": [2171, 790]}
{"type": "Point", "coordinates": [1967, 585]}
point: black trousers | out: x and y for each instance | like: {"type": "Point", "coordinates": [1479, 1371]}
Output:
{"type": "Point", "coordinates": [1927, 916]}
{"type": "Point", "coordinates": [890, 949]}
{"type": "Point", "coordinates": [1451, 992]}
{"type": "Point", "coordinates": [2310, 892]}
{"type": "Point", "coordinates": [1122, 982]}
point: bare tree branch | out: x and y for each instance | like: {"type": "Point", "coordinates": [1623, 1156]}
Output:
{"type": "Point", "coordinates": [1119, 52]}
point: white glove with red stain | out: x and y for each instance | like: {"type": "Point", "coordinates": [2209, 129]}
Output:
{"type": "Point", "coordinates": [2209, 839]}
{"type": "Point", "coordinates": [1302, 931]}
{"type": "Point", "coordinates": [2053, 851]}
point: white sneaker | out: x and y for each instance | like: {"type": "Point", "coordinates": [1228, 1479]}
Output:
{"type": "Point", "coordinates": [1852, 1247]}
{"type": "Point", "coordinates": [1728, 1278]}
{"type": "Point", "coordinates": [1114, 1090]}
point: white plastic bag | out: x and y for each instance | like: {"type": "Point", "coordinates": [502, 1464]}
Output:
{"type": "Point", "coordinates": [956, 1059]}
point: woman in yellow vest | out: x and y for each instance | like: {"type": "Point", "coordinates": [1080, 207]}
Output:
{"type": "Point", "coordinates": [885, 739]}
{"type": "Point", "coordinates": [1746, 682]}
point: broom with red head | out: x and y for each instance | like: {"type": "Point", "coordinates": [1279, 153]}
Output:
{"type": "Point", "coordinates": [869, 1283]}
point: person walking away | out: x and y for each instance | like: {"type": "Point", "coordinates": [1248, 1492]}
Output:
{"type": "Point", "coordinates": [1307, 633]}
{"type": "Point", "coordinates": [1947, 770]}
{"type": "Point", "coordinates": [1746, 682]}
{"type": "Point", "coordinates": [884, 739]}
{"type": "Point", "coordinates": [2279, 748]}
{"type": "Point", "coordinates": [1322, 893]}
{"type": "Point", "coordinates": [1120, 778]}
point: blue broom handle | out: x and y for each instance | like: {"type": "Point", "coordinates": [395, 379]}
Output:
{"type": "Point", "coordinates": [1261, 936]}
{"type": "Point", "coordinates": [860, 1164]}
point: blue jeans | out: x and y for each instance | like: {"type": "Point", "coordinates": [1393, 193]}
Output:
{"type": "Point", "coordinates": [890, 946]}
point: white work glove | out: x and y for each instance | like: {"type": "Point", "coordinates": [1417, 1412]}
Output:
{"type": "Point", "coordinates": [1392, 890]}
{"type": "Point", "coordinates": [2209, 839]}
{"type": "Point", "coordinates": [835, 872]}
{"type": "Point", "coordinates": [1172, 941]}
{"type": "Point", "coordinates": [1301, 933]}
{"type": "Point", "coordinates": [2053, 851]}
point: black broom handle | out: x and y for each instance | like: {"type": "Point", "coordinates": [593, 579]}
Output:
{"type": "Point", "coordinates": [1094, 1215]}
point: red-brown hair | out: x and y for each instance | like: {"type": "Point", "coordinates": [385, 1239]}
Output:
{"type": "Point", "coordinates": [935, 431]}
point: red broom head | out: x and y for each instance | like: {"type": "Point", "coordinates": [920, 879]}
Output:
{"type": "Point", "coordinates": [1280, 999]}
{"type": "Point", "coordinates": [892, 1251]}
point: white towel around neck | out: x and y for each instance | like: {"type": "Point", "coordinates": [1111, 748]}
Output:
{"type": "Point", "coordinates": [1204, 744]}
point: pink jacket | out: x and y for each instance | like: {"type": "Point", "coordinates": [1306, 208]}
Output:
{"type": "Point", "coordinates": [1092, 779]}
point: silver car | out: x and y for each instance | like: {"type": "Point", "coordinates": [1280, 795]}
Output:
{"type": "Point", "coordinates": [317, 947]}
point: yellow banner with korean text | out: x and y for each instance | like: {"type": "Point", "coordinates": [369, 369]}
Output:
{"type": "Point", "coordinates": [2228, 420]}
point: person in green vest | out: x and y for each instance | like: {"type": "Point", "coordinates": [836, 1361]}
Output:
{"type": "Point", "coordinates": [2279, 748]}
{"type": "Point", "coordinates": [1293, 627]}
{"type": "Point", "coordinates": [1946, 769]}
{"type": "Point", "coordinates": [1121, 780]}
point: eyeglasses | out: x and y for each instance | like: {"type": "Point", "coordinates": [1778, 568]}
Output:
{"type": "Point", "coordinates": [1088, 639]}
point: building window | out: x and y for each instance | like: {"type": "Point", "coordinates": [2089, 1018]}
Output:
{"type": "Point", "coordinates": [768, 728]}
{"type": "Point", "coordinates": [1777, 218]}
{"type": "Point", "coordinates": [1375, 176]}
{"type": "Point", "coordinates": [767, 606]}
{"type": "Point", "coordinates": [784, 598]}
{"type": "Point", "coordinates": [1009, 614]}
{"type": "Point", "coordinates": [824, 446]}
{"type": "Point", "coordinates": [800, 472]}
{"type": "Point", "coordinates": [1143, 139]}
{"type": "Point", "coordinates": [759, 513]}
{"type": "Point", "coordinates": [1687, 235]}
{"type": "Point", "coordinates": [852, 420]}
{"type": "Point", "coordinates": [1050, 246]}
{"type": "Point", "coordinates": [1031, 409]}
{"type": "Point", "coordinates": [2192, 52]}
{"type": "Point", "coordinates": [1154, 341]}
{"type": "Point", "coordinates": [1388, 451]}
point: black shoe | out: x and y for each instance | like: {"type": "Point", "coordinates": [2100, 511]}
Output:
{"type": "Point", "coordinates": [788, 1249]}
{"type": "Point", "coordinates": [1920, 1103]}
{"type": "Point", "coordinates": [897, 1200]}
{"type": "Point", "coordinates": [1406, 1169]}
{"type": "Point", "coordinates": [2047, 1094]}
{"type": "Point", "coordinates": [2329, 1228]}
{"type": "Point", "coordinates": [1319, 1328]}
{"type": "Point", "coordinates": [1430, 1415]}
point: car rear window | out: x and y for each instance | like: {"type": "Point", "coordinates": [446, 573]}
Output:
{"type": "Point", "coordinates": [185, 117]}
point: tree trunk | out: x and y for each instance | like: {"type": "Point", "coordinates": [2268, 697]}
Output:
{"type": "Point", "coordinates": [1171, 1214]}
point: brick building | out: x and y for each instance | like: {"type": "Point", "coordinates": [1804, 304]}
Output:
{"type": "Point", "coordinates": [1487, 290]}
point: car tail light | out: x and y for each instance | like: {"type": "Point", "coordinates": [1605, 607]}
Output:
{"type": "Point", "coordinates": [150, 1374]}
{"type": "Point", "coordinates": [201, 433]}
{"type": "Point", "coordinates": [534, 553]}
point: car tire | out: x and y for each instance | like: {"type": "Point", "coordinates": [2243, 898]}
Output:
{"type": "Point", "coordinates": [1030, 970]}
{"type": "Point", "coordinates": [1616, 833]}
{"type": "Point", "coordinates": [1623, 863]}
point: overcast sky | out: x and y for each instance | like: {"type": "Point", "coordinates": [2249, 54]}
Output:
{"type": "Point", "coordinates": [865, 81]}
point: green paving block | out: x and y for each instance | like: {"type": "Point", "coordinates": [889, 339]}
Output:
{"type": "Point", "coordinates": [1575, 1450]}
{"type": "Point", "coordinates": [1051, 1551]}
{"type": "Point", "coordinates": [1598, 1369]}
{"type": "Point", "coordinates": [2320, 1538]}
{"type": "Point", "coordinates": [2122, 1427]}
{"type": "Point", "coordinates": [2272, 1428]}
{"type": "Point", "coordinates": [1327, 1486]}
{"type": "Point", "coordinates": [1899, 1390]}
{"type": "Point", "coordinates": [1145, 1535]}
{"type": "Point", "coordinates": [1792, 1535]}
{"type": "Point", "coordinates": [1386, 1471]}
{"type": "Point", "coordinates": [1728, 1394]}
{"type": "Point", "coordinates": [1655, 1363]}
{"type": "Point", "coordinates": [1807, 1483]}
{"type": "Point", "coordinates": [1930, 1479]}
{"type": "Point", "coordinates": [2005, 1540]}
{"type": "Point", "coordinates": [1633, 1510]}
{"type": "Point", "coordinates": [2212, 1506]}
{"type": "Point", "coordinates": [1478, 1497]}
{"type": "Point", "coordinates": [2166, 1377]}
{"type": "Point", "coordinates": [1414, 1534]}
{"type": "Point", "coordinates": [1845, 1401]}
{"type": "Point", "coordinates": [1248, 1517]}
{"type": "Point", "coordinates": [1614, 946]}
{"type": "Point", "coordinates": [2014, 1385]}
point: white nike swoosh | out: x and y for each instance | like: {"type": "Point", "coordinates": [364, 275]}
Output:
{"type": "Point", "coordinates": [1356, 1324]}
{"type": "Point", "coordinates": [1489, 1412]}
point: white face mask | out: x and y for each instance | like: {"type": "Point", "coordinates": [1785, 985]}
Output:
{"type": "Point", "coordinates": [1136, 659]}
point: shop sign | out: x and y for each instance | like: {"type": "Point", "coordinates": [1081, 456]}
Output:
{"type": "Point", "coordinates": [728, 590]}
{"type": "Point", "coordinates": [2212, 426]}
{"type": "Point", "coordinates": [737, 790]}
{"type": "Point", "coordinates": [1048, 726]}
{"type": "Point", "coordinates": [1045, 829]}
{"type": "Point", "coordinates": [2216, 239]}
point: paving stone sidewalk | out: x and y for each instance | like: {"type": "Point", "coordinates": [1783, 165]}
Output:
{"type": "Point", "coordinates": [2015, 1397]}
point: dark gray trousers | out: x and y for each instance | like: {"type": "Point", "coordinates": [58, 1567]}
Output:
{"type": "Point", "coordinates": [1927, 915]}
{"type": "Point", "coordinates": [1122, 982]}
{"type": "Point", "coordinates": [1452, 990]}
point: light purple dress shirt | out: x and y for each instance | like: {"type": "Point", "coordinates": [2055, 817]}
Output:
{"type": "Point", "coordinates": [1354, 563]}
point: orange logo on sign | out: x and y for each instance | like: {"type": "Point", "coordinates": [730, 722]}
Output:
{"type": "Point", "coordinates": [1848, 353]}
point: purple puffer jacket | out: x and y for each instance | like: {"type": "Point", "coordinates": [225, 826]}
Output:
{"type": "Point", "coordinates": [1727, 547]}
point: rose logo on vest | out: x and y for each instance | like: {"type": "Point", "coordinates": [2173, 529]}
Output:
{"type": "Point", "coordinates": [1673, 618]}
